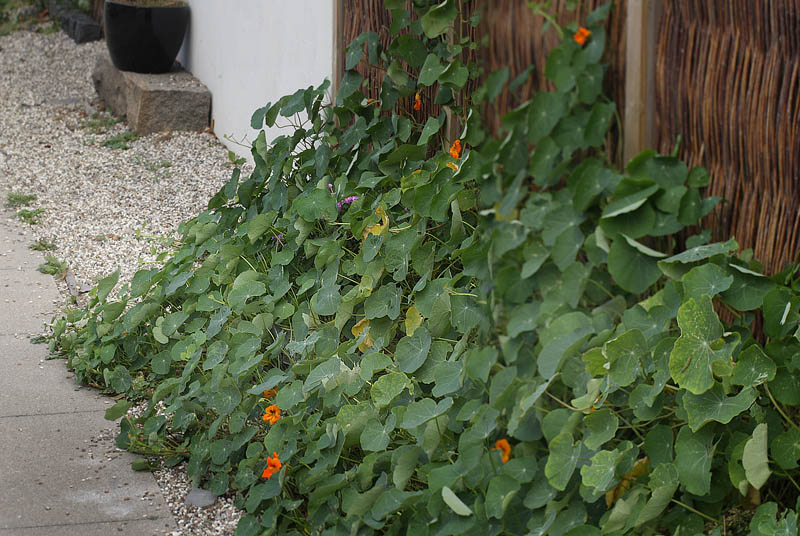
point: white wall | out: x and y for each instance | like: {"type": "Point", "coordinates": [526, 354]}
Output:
{"type": "Point", "coordinates": [250, 52]}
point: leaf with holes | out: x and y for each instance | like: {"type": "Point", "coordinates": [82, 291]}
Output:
{"type": "Point", "coordinates": [692, 356]}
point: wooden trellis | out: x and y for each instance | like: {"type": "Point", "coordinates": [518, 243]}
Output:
{"type": "Point", "coordinates": [515, 37]}
{"type": "Point", "coordinates": [724, 75]}
{"type": "Point", "coordinates": [728, 82]}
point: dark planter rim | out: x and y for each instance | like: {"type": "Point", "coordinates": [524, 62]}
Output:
{"type": "Point", "coordinates": [144, 39]}
{"type": "Point", "coordinates": [183, 4]}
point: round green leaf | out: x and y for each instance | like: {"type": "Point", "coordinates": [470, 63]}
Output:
{"type": "Point", "coordinates": [631, 270]}
{"type": "Point", "coordinates": [692, 356]}
{"type": "Point", "coordinates": [706, 279]}
{"type": "Point", "coordinates": [785, 448]}
{"type": "Point", "coordinates": [601, 472]}
{"type": "Point", "coordinates": [546, 110]}
{"type": "Point", "coordinates": [753, 367]}
{"type": "Point", "coordinates": [601, 426]}
{"type": "Point", "coordinates": [375, 436]}
{"type": "Point", "coordinates": [562, 460]}
{"type": "Point", "coordinates": [693, 455]}
{"type": "Point", "coordinates": [754, 458]}
{"type": "Point", "coordinates": [326, 301]}
{"type": "Point", "coordinates": [387, 387]}
{"type": "Point", "coordinates": [713, 405]}
{"type": "Point", "coordinates": [421, 411]}
{"type": "Point", "coordinates": [455, 504]}
{"type": "Point", "coordinates": [215, 353]}
{"type": "Point", "coordinates": [411, 352]}
{"type": "Point", "coordinates": [431, 70]}
{"type": "Point", "coordinates": [501, 490]}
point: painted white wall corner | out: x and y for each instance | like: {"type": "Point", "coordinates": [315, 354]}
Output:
{"type": "Point", "coordinates": [250, 52]}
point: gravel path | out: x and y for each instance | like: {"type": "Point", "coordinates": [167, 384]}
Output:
{"type": "Point", "coordinates": [103, 208]}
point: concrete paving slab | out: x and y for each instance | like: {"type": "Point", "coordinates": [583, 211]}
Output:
{"type": "Point", "coordinates": [145, 527]}
{"type": "Point", "coordinates": [60, 472]}
{"type": "Point", "coordinates": [15, 253]}
{"type": "Point", "coordinates": [25, 297]}
{"type": "Point", "coordinates": [65, 470]}
{"type": "Point", "coordinates": [24, 301]}
{"type": "Point", "coordinates": [32, 385]}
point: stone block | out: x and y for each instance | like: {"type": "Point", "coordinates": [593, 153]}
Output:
{"type": "Point", "coordinates": [169, 101]}
{"type": "Point", "coordinates": [110, 84]}
{"type": "Point", "coordinates": [153, 102]}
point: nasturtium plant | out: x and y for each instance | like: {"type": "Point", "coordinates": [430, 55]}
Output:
{"type": "Point", "coordinates": [385, 330]}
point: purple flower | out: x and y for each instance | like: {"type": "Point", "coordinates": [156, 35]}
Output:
{"type": "Point", "coordinates": [330, 187]}
{"type": "Point", "coordinates": [346, 201]}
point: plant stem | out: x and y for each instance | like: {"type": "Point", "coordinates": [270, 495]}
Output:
{"type": "Point", "coordinates": [777, 407]}
{"type": "Point", "coordinates": [698, 512]}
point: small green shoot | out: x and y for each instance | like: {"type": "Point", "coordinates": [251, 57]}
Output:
{"type": "Point", "coordinates": [234, 160]}
{"type": "Point", "coordinates": [100, 123]}
{"type": "Point", "coordinates": [17, 200]}
{"type": "Point", "coordinates": [155, 166]}
{"type": "Point", "coordinates": [53, 266]}
{"type": "Point", "coordinates": [30, 217]}
{"type": "Point", "coordinates": [119, 141]}
{"type": "Point", "coordinates": [43, 244]}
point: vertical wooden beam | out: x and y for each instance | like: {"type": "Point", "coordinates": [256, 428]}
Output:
{"type": "Point", "coordinates": [640, 62]}
{"type": "Point", "coordinates": [338, 48]}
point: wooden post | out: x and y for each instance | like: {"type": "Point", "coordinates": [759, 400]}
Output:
{"type": "Point", "coordinates": [640, 35]}
{"type": "Point", "coordinates": [338, 48]}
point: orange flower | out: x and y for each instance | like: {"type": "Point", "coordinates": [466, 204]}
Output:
{"type": "Point", "coordinates": [455, 149]}
{"type": "Point", "coordinates": [269, 393]}
{"type": "Point", "coordinates": [272, 414]}
{"type": "Point", "coordinates": [273, 466]}
{"type": "Point", "coordinates": [581, 35]}
{"type": "Point", "coordinates": [417, 102]}
{"type": "Point", "coordinates": [504, 448]}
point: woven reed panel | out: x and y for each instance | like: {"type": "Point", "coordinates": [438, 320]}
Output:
{"type": "Point", "coordinates": [728, 82]}
{"type": "Point", "coordinates": [515, 38]}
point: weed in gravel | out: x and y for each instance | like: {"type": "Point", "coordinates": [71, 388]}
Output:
{"type": "Point", "coordinates": [53, 266]}
{"type": "Point", "coordinates": [160, 168]}
{"type": "Point", "coordinates": [99, 123]}
{"type": "Point", "coordinates": [155, 166]}
{"type": "Point", "coordinates": [17, 200]}
{"type": "Point", "coordinates": [30, 216]}
{"type": "Point", "coordinates": [16, 15]}
{"type": "Point", "coordinates": [49, 28]}
{"type": "Point", "coordinates": [43, 244]}
{"type": "Point", "coordinates": [119, 141]}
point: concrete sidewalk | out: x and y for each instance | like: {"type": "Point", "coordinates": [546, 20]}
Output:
{"type": "Point", "coordinates": [60, 473]}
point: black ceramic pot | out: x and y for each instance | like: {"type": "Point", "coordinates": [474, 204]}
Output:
{"type": "Point", "coordinates": [144, 39]}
